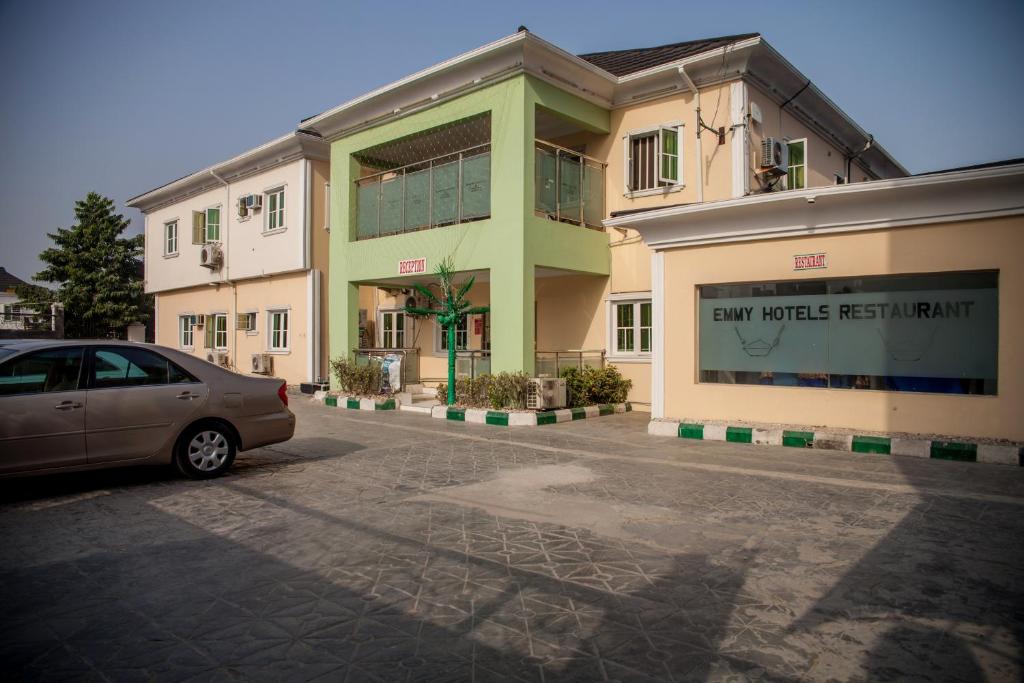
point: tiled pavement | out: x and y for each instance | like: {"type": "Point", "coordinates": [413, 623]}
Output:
{"type": "Point", "coordinates": [399, 548]}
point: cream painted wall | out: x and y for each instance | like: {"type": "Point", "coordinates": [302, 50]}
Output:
{"type": "Point", "coordinates": [249, 251]}
{"type": "Point", "coordinates": [260, 295]}
{"type": "Point", "coordinates": [988, 244]}
{"type": "Point", "coordinates": [320, 238]}
{"type": "Point", "coordinates": [640, 374]}
{"type": "Point", "coordinates": [823, 159]}
{"type": "Point", "coordinates": [631, 262]}
{"type": "Point", "coordinates": [570, 312]}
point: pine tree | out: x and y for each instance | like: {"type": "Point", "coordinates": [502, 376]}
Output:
{"type": "Point", "coordinates": [96, 271]}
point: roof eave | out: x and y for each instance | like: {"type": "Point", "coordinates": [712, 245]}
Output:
{"type": "Point", "coordinates": [258, 158]}
{"type": "Point", "coordinates": [955, 195]}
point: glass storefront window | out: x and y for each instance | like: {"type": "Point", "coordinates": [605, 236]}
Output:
{"type": "Point", "coordinates": [929, 333]}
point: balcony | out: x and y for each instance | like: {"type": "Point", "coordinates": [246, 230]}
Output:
{"type": "Point", "coordinates": [568, 186]}
{"type": "Point", "coordinates": [432, 179]}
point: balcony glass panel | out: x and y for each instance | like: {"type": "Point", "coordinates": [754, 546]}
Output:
{"type": "Point", "coordinates": [544, 180]}
{"type": "Point", "coordinates": [476, 186]}
{"type": "Point", "coordinates": [446, 193]}
{"type": "Point", "coordinates": [593, 194]}
{"type": "Point", "coordinates": [417, 199]}
{"type": "Point", "coordinates": [568, 186]}
{"type": "Point", "coordinates": [367, 196]}
{"type": "Point", "coordinates": [391, 205]}
{"type": "Point", "coordinates": [569, 182]}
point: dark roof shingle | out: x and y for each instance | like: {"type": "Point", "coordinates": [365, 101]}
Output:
{"type": "Point", "coordinates": [625, 62]}
{"type": "Point", "coordinates": [8, 281]}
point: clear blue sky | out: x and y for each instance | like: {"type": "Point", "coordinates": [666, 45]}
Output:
{"type": "Point", "coordinates": [120, 97]}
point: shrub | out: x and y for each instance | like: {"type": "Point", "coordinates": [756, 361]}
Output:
{"type": "Point", "coordinates": [361, 380]}
{"type": "Point", "coordinates": [591, 386]}
{"type": "Point", "coordinates": [507, 390]}
{"type": "Point", "coordinates": [575, 391]}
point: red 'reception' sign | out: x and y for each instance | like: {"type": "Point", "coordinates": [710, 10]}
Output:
{"type": "Point", "coordinates": [412, 266]}
{"type": "Point", "coordinates": [809, 261]}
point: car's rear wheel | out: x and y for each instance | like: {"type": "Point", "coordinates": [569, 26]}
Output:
{"type": "Point", "coordinates": [205, 451]}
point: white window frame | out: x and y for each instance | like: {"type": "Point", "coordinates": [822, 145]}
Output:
{"type": "Point", "coordinates": [441, 338]}
{"type": "Point", "coordinates": [406, 322]}
{"type": "Point", "coordinates": [802, 141]}
{"type": "Point", "coordinates": [187, 331]}
{"type": "Point", "coordinates": [278, 215]}
{"type": "Point", "coordinates": [661, 185]}
{"type": "Point", "coordinates": [216, 331]}
{"type": "Point", "coordinates": [169, 227]}
{"type": "Point", "coordinates": [220, 223]}
{"type": "Point", "coordinates": [286, 332]}
{"type": "Point", "coordinates": [636, 300]}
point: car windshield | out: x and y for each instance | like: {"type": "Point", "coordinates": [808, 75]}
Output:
{"type": "Point", "coordinates": [6, 352]}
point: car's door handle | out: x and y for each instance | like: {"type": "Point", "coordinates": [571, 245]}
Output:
{"type": "Point", "coordinates": [186, 396]}
{"type": "Point", "coordinates": [68, 405]}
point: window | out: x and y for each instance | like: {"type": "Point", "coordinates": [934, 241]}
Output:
{"type": "Point", "coordinates": [170, 238]}
{"type": "Point", "coordinates": [461, 336]}
{"type": "Point", "coordinates": [42, 372]}
{"type": "Point", "coordinates": [392, 329]}
{"type": "Point", "coordinates": [275, 209]}
{"type": "Point", "coordinates": [278, 330]}
{"type": "Point", "coordinates": [217, 331]}
{"type": "Point", "coordinates": [935, 333]}
{"type": "Point", "coordinates": [206, 226]}
{"type": "Point", "coordinates": [653, 158]}
{"type": "Point", "coordinates": [246, 322]}
{"type": "Point", "coordinates": [213, 225]}
{"type": "Point", "coordinates": [128, 367]}
{"type": "Point", "coordinates": [796, 176]}
{"type": "Point", "coordinates": [631, 332]}
{"type": "Point", "coordinates": [186, 331]}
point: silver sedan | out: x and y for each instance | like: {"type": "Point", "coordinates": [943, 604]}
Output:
{"type": "Point", "coordinates": [78, 405]}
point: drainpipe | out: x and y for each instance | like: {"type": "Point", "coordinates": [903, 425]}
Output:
{"type": "Point", "coordinates": [225, 212]}
{"type": "Point", "coordinates": [849, 159]}
{"type": "Point", "coordinates": [700, 156]}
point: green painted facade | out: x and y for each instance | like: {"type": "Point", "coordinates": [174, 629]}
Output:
{"type": "Point", "coordinates": [510, 244]}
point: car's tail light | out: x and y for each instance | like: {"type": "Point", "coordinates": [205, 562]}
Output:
{"type": "Point", "coordinates": [282, 393]}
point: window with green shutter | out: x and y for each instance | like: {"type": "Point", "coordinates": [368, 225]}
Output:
{"type": "Point", "coordinates": [213, 224]}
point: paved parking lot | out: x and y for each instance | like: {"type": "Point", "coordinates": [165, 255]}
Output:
{"type": "Point", "coordinates": [393, 547]}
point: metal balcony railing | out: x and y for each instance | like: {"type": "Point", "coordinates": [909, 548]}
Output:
{"type": "Point", "coordinates": [551, 363]}
{"type": "Point", "coordinates": [445, 190]}
{"type": "Point", "coordinates": [568, 186]}
{"type": "Point", "coordinates": [409, 369]}
{"type": "Point", "coordinates": [472, 364]}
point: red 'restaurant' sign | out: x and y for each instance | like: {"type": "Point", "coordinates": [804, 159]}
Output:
{"type": "Point", "coordinates": [809, 261]}
{"type": "Point", "coordinates": [412, 266]}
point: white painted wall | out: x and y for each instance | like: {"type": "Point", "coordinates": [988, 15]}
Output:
{"type": "Point", "coordinates": [249, 251]}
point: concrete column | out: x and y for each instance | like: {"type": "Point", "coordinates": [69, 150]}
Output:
{"type": "Point", "coordinates": [512, 317]}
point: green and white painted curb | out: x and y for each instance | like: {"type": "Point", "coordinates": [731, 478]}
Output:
{"type": "Point", "coordinates": [502, 418]}
{"type": "Point", "coordinates": [353, 403]}
{"type": "Point", "coordinates": [954, 449]}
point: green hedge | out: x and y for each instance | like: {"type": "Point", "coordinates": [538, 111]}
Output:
{"type": "Point", "coordinates": [361, 380]}
{"type": "Point", "coordinates": [594, 386]}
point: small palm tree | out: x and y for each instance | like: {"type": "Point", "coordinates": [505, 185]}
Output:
{"type": "Point", "coordinates": [449, 310]}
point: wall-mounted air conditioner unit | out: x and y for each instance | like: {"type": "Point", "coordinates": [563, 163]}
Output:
{"type": "Point", "coordinates": [218, 358]}
{"type": "Point", "coordinates": [262, 363]}
{"type": "Point", "coordinates": [774, 154]}
{"type": "Point", "coordinates": [546, 393]}
{"type": "Point", "coordinates": [199, 320]}
{"type": "Point", "coordinates": [210, 256]}
{"type": "Point", "coordinates": [253, 201]}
